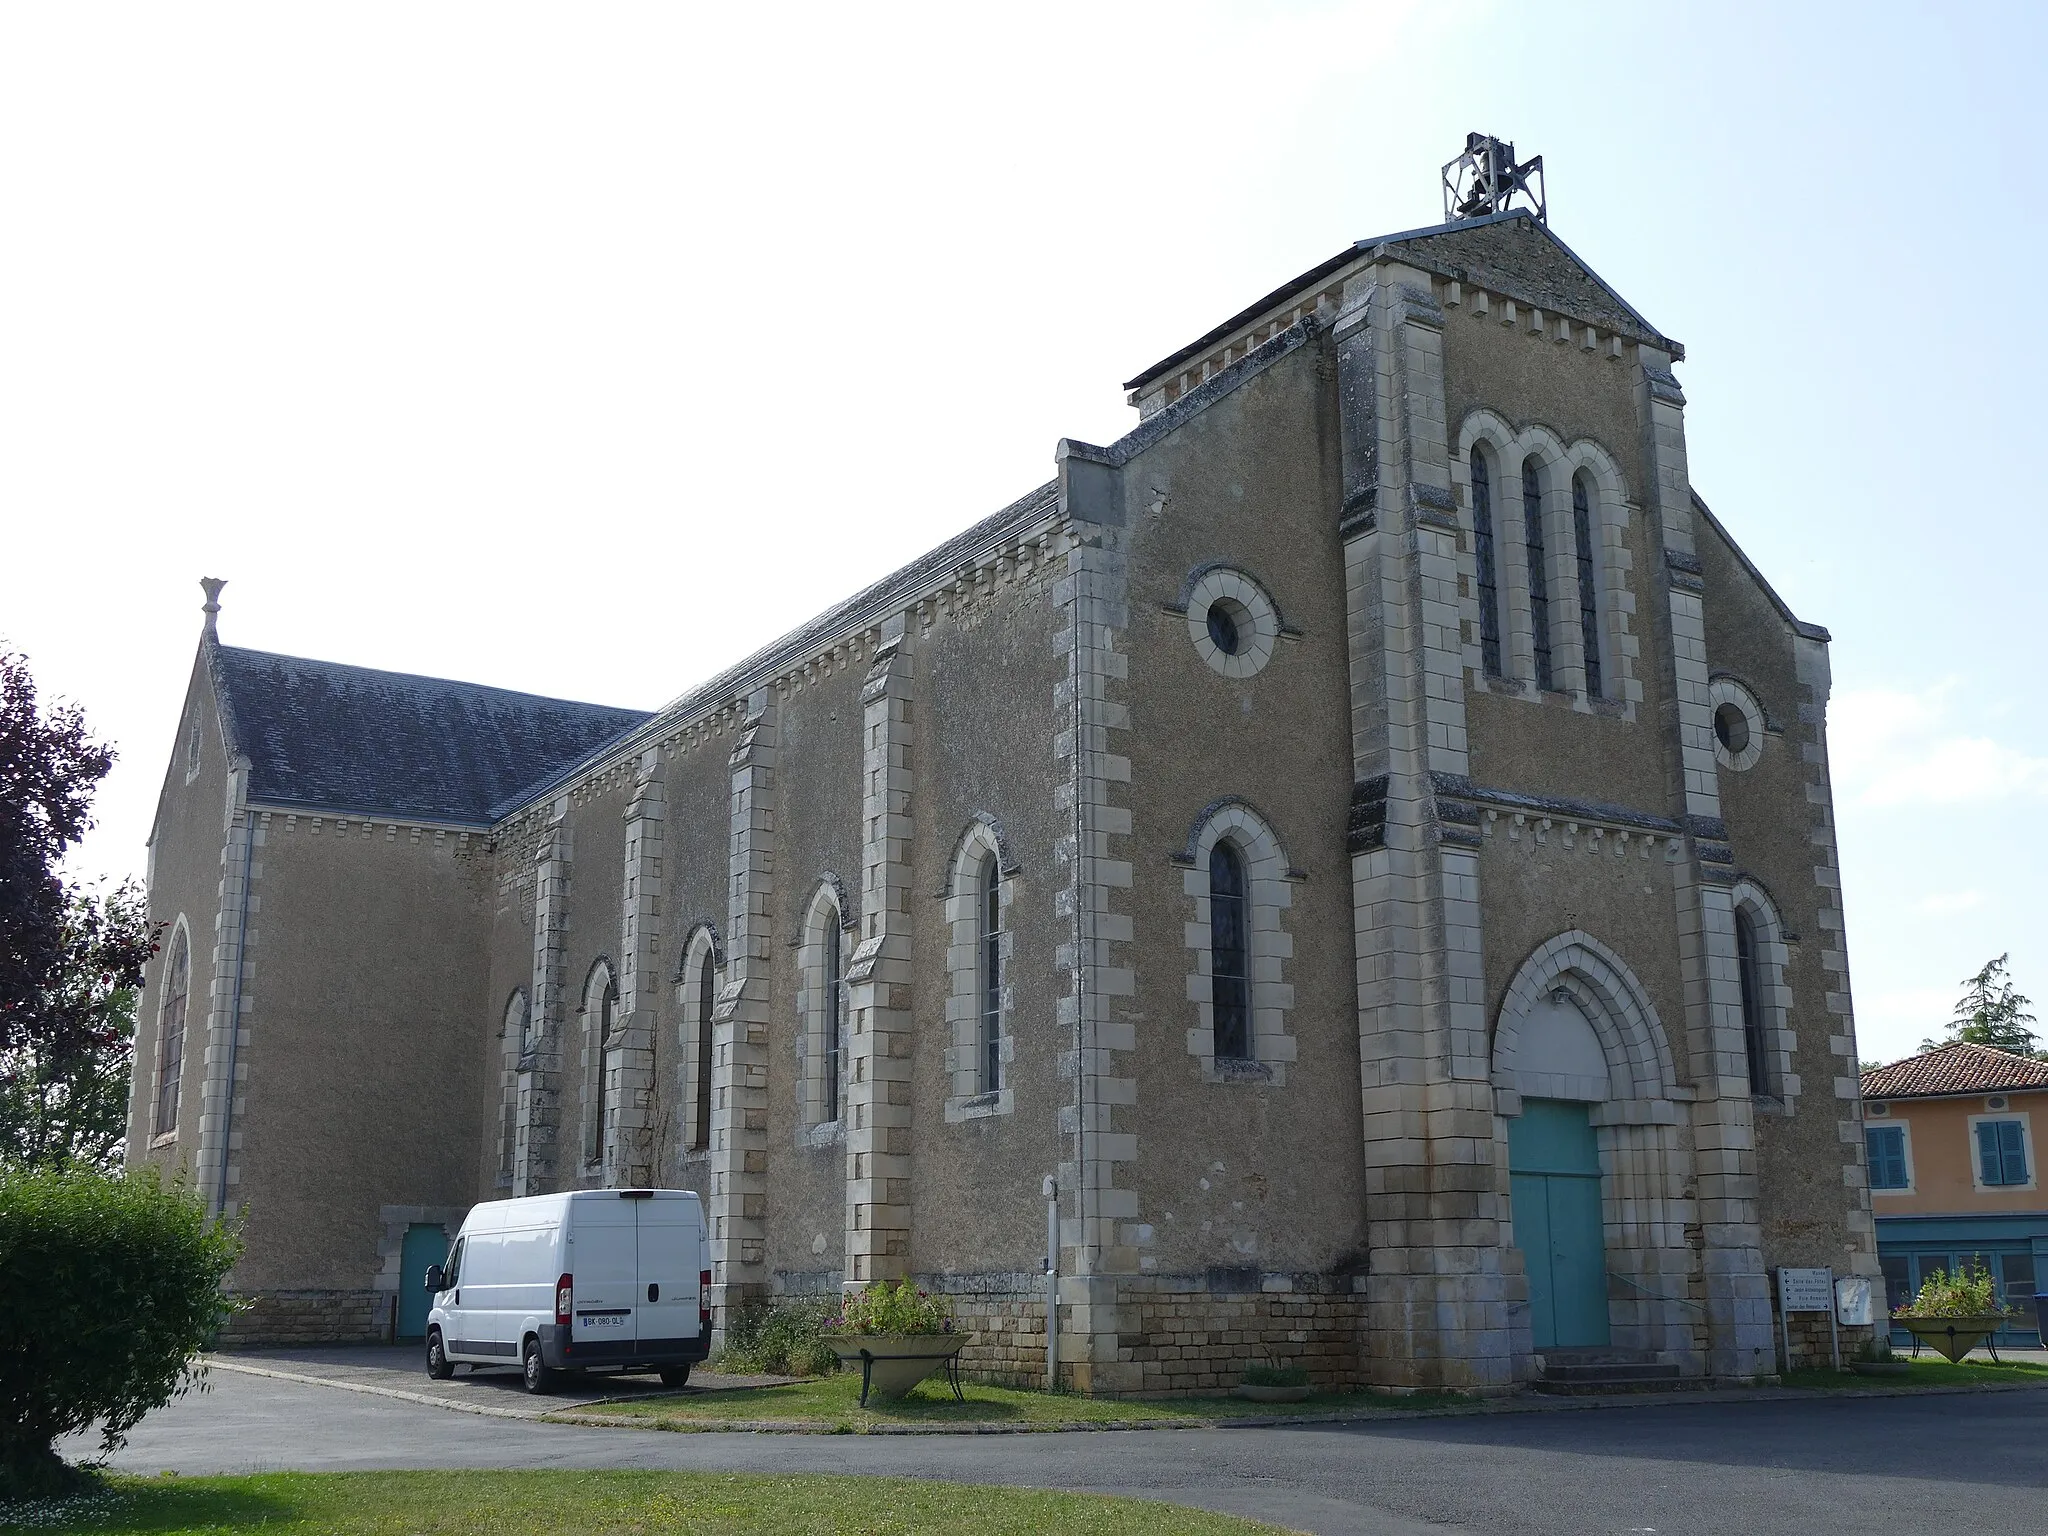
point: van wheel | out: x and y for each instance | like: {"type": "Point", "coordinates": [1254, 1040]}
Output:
{"type": "Point", "coordinates": [439, 1366]}
{"type": "Point", "coordinates": [539, 1378]}
{"type": "Point", "coordinates": [675, 1376]}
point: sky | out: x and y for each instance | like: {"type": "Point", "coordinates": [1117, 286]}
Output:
{"type": "Point", "coordinates": [583, 349]}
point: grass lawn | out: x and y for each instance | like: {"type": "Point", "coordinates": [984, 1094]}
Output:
{"type": "Point", "coordinates": [599, 1504]}
{"type": "Point", "coordinates": [1930, 1370]}
{"type": "Point", "coordinates": [834, 1402]}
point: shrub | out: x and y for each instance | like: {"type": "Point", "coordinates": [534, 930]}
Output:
{"type": "Point", "coordinates": [779, 1340]}
{"type": "Point", "coordinates": [1966, 1291]}
{"type": "Point", "coordinates": [112, 1286]}
{"type": "Point", "coordinates": [898, 1308]}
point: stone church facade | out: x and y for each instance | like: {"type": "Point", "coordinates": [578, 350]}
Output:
{"type": "Point", "coordinates": [1302, 828]}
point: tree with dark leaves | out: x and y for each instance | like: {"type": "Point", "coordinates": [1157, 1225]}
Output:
{"type": "Point", "coordinates": [49, 768]}
{"type": "Point", "coordinates": [64, 1089]}
{"type": "Point", "coordinates": [1993, 1012]}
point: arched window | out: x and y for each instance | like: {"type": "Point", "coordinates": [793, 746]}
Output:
{"type": "Point", "coordinates": [835, 1015]}
{"type": "Point", "coordinates": [1539, 591]}
{"type": "Point", "coordinates": [516, 1026]}
{"type": "Point", "coordinates": [707, 1003]}
{"type": "Point", "coordinates": [1756, 1043]}
{"type": "Point", "coordinates": [989, 913]}
{"type": "Point", "coordinates": [170, 1033]}
{"type": "Point", "coordinates": [1229, 957]}
{"type": "Point", "coordinates": [600, 1011]}
{"type": "Point", "coordinates": [1482, 545]}
{"type": "Point", "coordinates": [1589, 602]}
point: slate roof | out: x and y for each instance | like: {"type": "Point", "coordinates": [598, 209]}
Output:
{"type": "Point", "coordinates": [1957, 1068]}
{"type": "Point", "coordinates": [325, 737]}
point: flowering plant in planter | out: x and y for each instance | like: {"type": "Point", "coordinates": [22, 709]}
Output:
{"type": "Point", "coordinates": [1955, 1311]}
{"type": "Point", "coordinates": [894, 1310]}
{"type": "Point", "coordinates": [898, 1335]}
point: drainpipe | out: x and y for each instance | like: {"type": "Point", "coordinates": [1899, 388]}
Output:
{"type": "Point", "coordinates": [227, 1116]}
{"type": "Point", "coordinates": [1052, 1282]}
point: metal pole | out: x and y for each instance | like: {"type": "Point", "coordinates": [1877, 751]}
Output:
{"type": "Point", "coordinates": [1052, 1283]}
{"type": "Point", "coordinates": [1784, 1321]}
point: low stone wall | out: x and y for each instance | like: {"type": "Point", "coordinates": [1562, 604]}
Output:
{"type": "Point", "coordinates": [308, 1317]}
{"type": "Point", "coordinates": [1184, 1333]}
{"type": "Point", "coordinates": [1197, 1333]}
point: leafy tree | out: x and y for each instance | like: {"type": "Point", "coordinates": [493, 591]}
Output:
{"type": "Point", "coordinates": [112, 1287]}
{"type": "Point", "coordinates": [64, 1091]}
{"type": "Point", "coordinates": [1991, 1012]}
{"type": "Point", "coordinates": [49, 769]}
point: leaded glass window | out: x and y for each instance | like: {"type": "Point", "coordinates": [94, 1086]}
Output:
{"type": "Point", "coordinates": [835, 1014]}
{"type": "Point", "coordinates": [1539, 591]}
{"type": "Point", "coordinates": [1229, 954]}
{"type": "Point", "coordinates": [990, 912]}
{"type": "Point", "coordinates": [1482, 548]}
{"type": "Point", "coordinates": [707, 1003]}
{"type": "Point", "coordinates": [1755, 1039]}
{"type": "Point", "coordinates": [1589, 609]}
{"type": "Point", "coordinates": [600, 1098]}
{"type": "Point", "coordinates": [170, 1052]}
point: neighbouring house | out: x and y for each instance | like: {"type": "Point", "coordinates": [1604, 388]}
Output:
{"type": "Point", "coordinates": [1366, 833]}
{"type": "Point", "coordinates": [1955, 1173]}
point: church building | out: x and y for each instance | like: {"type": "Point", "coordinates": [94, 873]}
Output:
{"type": "Point", "coordinates": [1365, 835]}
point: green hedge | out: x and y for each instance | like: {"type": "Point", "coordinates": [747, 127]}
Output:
{"type": "Point", "coordinates": [109, 1286]}
{"type": "Point", "coordinates": [779, 1340]}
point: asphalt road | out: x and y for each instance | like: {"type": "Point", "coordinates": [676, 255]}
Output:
{"type": "Point", "coordinates": [1939, 1465]}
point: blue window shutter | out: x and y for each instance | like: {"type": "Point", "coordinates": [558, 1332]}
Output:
{"type": "Point", "coordinates": [1886, 1145]}
{"type": "Point", "coordinates": [2013, 1147]}
{"type": "Point", "coordinates": [1988, 1160]}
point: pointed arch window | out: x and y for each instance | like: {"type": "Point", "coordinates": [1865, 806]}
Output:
{"type": "Point", "coordinates": [1482, 548]}
{"type": "Point", "coordinates": [707, 1002]}
{"type": "Point", "coordinates": [989, 942]}
{"type": "Point", "coordinates": [835, 1015]}
{"type": "Point", "coordinates": [1229, 954]}
{"type": "Point", "coordinates": [1756, 1042]}
{"type": "Point", "coordinates": [1589, 601]}
{"type": "Point", "coordinates": [170, 1054]}
{"type": "Point", "coordinates": [600, 1012]}
{"type": "Point", "coordinates": [1539, 591]}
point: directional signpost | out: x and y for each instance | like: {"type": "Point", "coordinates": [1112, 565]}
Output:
{"type": "Point", "coordinates": [1807, 1290]}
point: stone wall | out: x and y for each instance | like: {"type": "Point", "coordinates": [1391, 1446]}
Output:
{"type": "Point", "coordinates": [1198, 1335]}
{"type": "Point", "coordinates": [294, 1318]}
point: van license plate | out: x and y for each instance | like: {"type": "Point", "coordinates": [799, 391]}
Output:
{"type": "Point", "coordinates": [603, 1322]}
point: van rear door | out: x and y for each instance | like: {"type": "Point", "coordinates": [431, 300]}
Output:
{"type": "Point", "coordinates": [601, 1257]}
{"type": "Point", "coordinates": [671, 1258]}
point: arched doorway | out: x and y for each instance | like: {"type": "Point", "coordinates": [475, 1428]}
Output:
{"type": "Point", "coordinates": [1554, 1175]}
{"type": "Point", "coordinates": [1554, 1168]}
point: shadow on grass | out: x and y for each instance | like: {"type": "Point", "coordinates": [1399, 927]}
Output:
{"type": "Point", "coordinates": [154, 1504]}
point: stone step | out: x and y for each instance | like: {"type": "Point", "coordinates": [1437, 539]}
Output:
{"type": "Point", "coordinates": [1593, 1386]}
{"type": "Point", "coordinates": [1615, 1370]}
{"type": "Point", "coordinates": [1603, 1355]}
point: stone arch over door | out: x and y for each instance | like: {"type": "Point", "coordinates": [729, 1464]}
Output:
{"type": "Point", "coordinates": [1577, 1025]}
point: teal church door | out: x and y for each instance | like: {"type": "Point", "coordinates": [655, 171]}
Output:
{"type": "Point", "coordinates": [1554, 1170]}
{"type": "Point", "coordinates": [425, 1243]}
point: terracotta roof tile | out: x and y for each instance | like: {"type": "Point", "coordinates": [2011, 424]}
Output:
{"type": "Point", "coordinates": [1956, 1068]}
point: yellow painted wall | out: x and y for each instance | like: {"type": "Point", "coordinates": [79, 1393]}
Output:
{"type": "Point", "coordinates": [1941, 1157]}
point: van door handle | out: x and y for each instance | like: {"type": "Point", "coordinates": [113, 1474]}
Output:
{"type": "Point", "coordinates": [654, 1293]}
{"type": "Point", "coordinates": [458, 1298]}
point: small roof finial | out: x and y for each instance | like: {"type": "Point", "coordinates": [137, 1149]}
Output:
{"type": "Point", "coordinates": [212, 586]}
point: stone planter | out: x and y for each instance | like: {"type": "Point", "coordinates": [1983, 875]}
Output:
{"type": "Point", "coordinates": [892, 1363]}
{"type": "Point", "coordinates": [1258, 1394]}
{"type": "Point", "coordinates": [1951, 1337]}
{"type": "Point", "coordinates": [1881, 1367]}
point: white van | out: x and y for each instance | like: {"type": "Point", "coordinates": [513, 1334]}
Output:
{"type": "Point", "coordinates": [599, 1279]}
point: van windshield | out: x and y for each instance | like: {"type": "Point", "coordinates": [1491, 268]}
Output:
{"type": "Point", "coordinates": [454, 1273]}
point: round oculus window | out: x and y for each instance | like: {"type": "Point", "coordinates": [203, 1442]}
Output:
{"type": "Point", "coordinates": [1227, 625]}
{"type": "Point", "coordinates": [1731, 728]}
{"type": "Point", "coordinates": [1738, 724]}
{"type": "Point", "coordinates": [1231, 621]}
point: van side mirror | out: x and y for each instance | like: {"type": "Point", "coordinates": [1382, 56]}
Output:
{"type": "Point", "coordinates": [437, 1278]}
